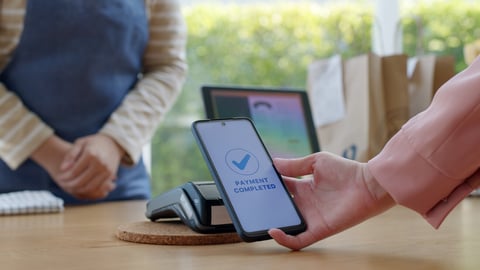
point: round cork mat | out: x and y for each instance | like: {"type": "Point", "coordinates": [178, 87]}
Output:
{"type": "Point", "coordinates": [171, 233]}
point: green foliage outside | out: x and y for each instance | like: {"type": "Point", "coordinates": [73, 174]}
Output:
{"type": "Point", "coordinates": [272, 45]}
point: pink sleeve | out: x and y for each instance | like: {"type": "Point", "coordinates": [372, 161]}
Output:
{"type": "Point", "coordinates": [433, 162]}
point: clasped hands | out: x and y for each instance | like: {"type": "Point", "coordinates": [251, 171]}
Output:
{"type": "Point", "coordinates": [86, 168]}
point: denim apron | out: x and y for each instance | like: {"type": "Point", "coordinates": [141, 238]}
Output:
{"type": "Point", "coordinates": [75, 63]}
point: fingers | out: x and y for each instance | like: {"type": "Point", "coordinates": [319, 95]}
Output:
{"type": "Point", "coordinates": [90, 181]}
{"type": "Point", "coordinates": [84, 175]}
{"type": "Point", "coordinates": [87, 168]}
{"type": "Point", "coordinates": [95, 189]}
{"type": "Point", "coordinates": [295, 167]}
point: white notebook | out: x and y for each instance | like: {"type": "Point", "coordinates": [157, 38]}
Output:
{"type": "Point", "coordinates": [29, 202]}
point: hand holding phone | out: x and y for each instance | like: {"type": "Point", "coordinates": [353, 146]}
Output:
{"type": "Point", "coordinates": [251, 188]}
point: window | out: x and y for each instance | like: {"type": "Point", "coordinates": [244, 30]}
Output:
{"type": "Point", "coordinates": [271, 43]}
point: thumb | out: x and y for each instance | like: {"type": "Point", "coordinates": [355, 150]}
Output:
{"type": "Point", "coordinates": [295, 167]}
{"type": "Point", "coordinates": [289, 241]}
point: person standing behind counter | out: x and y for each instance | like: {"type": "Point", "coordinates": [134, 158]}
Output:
{"type": "Point", "coordinates": [83, 86]}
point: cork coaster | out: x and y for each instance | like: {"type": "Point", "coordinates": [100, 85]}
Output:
{"type": "Point", "coordinates": [171, 233]}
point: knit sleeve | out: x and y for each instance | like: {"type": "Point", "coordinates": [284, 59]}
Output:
{"type": "Point", "coordinates": [21, 131]}
{"type": "Point", "coordinates": [133, 124]}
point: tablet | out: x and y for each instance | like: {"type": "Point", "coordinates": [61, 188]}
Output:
{"type": "Point", "coordinates": [282, 117]}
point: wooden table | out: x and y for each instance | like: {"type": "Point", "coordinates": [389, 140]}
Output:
{"type": "Point", "coordinates": [83, 237]}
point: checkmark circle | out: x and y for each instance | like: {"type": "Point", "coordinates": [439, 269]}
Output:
{"type": "Point", "coordinates": [242, 161]}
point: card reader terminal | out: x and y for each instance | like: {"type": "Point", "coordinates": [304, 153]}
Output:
{"type": "Point", "coordinates": [198, 204]}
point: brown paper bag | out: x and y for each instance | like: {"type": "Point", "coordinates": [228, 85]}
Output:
{"type": "Point", "coordinates": [395, 90]}
{"type": "Point", "coordinates": [427, 73]}
{"type": "Point", "coordinates": [362, 132]}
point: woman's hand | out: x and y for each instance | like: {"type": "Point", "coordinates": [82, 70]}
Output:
{"type": "Point", "coordinates": [337, 194]}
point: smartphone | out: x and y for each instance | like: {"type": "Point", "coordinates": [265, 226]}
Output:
{"type": "Point", "coordinates": [251, 188]}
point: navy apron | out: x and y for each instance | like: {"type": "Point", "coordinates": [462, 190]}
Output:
{"type": "Point", "coordinates": [75, 63]}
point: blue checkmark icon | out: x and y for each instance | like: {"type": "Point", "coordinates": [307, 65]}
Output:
{"type": "Point", "coordinates": [243, 163]}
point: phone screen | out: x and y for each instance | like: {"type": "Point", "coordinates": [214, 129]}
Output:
{"type": "Point", "coordinates": [244, 173]}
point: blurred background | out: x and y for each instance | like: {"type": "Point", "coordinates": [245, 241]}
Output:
{"type": "Point", "coordinates": [271, 43]}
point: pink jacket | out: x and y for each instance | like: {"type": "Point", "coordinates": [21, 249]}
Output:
{"type": "Point", "coordinates": [433, 162]}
